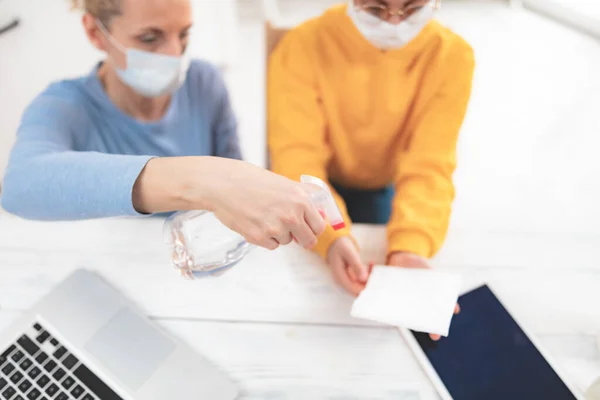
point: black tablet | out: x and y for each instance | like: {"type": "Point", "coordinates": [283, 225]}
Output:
{"type": "Point", "coordinates": [487, 355]}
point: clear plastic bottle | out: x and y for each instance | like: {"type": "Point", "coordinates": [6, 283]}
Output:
{"type": "Point", "coordinates": [201, 246]}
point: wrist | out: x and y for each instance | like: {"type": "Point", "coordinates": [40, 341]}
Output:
{"type": "Point", "coordinates": [338, 241]}
{"type": "Point", "coordinates": [202, 181]}
{"type": "Point", "coordinates": [171, 184]}
{"type": "Point", "coordinates": [401, 253]}
{"type": "Point", "coordinates": [392, 258]}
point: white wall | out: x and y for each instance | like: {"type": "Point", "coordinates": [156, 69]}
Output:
{"type": "Point", "coordinates": [527, 146]}
{"type": "Point", "coordinates": [580, 14]}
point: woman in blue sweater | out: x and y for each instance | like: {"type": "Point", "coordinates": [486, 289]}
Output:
{"type": "Point", "coordinates": [147, 131]}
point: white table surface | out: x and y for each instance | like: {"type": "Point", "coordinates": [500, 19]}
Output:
{"type": "Point", "coordinates": [278, 325]}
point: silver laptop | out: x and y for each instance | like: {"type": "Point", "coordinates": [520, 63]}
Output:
{"type": "Point", "coordinates": [86, 341]}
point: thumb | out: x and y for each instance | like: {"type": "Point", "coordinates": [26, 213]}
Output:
{"type": "Point", "coordinates": [356, 267]}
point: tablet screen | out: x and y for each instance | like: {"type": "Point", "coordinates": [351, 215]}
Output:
{"type": "Point", "coordinates": [488, 356]}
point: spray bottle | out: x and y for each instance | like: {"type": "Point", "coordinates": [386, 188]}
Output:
{"type": "Point", "coordinates": [201, 246]}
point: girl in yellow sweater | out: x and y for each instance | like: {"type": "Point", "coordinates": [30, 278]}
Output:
{"type": "Point", "coordinates": [370, 97]}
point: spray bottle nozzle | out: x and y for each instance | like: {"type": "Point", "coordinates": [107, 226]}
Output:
{"type": "Point", "coordinates": [323, 199]}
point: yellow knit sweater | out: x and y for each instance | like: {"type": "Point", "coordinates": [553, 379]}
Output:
{"type": "Point", "coordinates": [342, 110]}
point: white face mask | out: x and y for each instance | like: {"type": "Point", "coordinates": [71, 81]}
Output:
{"type": "Point", "coordinates": [150, 74]}
{"type": "Point", "coordinates": [384, 35]}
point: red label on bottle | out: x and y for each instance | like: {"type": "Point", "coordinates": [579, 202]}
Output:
{"type": "Point", "coordinates": [339, 226]}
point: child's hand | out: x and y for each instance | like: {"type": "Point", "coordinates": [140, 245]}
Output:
{"type": "Point", "coordinates": [346, 265]}
{"type": "Point", "coordinates": [410, 260]}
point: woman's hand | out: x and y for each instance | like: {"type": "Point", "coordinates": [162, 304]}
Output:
{"type": "Point", "coordinates": [266, 209]}
{"type": "Point", "coordinates": [410, 260]}
{"type": "Point", "coordinates": [346, 265]}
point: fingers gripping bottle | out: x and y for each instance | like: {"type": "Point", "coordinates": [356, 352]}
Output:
{"type": "Point", "coordinates": [201, 246]}
{"type": "Point", "coordinates": [322, 198]}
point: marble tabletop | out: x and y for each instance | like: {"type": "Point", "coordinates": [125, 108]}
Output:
{"type": "Point", "coordinates": [279, 326]}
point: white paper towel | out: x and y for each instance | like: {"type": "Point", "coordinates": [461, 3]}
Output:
{"type": "Point", "coordinates": [419, 299]}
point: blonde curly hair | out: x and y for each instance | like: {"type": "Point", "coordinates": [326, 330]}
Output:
{"type": "Point", "coordinates": [104, 10]}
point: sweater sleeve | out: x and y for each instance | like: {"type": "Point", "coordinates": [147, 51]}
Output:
{"type": "Point", "coordinates": [296, 123]}
{"type": "Point", "coordinates": [427, 160]}
{"type": "Point", "coordinates": [47, 179]}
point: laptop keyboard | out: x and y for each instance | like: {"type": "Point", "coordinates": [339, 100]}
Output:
{"type": "Point", "coordinates": [39, 367]}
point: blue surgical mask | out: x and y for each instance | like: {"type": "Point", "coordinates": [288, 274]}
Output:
{"type": "Point", "coordinates": [150, 74]}
{"type": "Point", "coordinates": [384, 35]}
